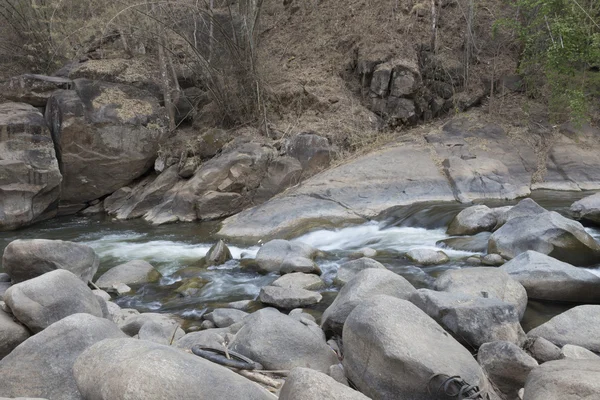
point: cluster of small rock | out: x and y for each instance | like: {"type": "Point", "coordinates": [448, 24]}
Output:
{"type": "Point", "coordinates": [63, 340]}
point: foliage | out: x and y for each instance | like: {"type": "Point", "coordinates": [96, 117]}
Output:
{"type": "Point", "coordinates": [560, 41]}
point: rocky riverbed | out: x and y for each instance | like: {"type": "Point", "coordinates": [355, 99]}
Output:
{"type": "Point", "coordinates": [503, 297]}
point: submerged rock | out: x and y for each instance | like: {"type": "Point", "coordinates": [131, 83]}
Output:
{"type": "Point", "coordinates": [27, 259]}
{"type": "Point", "coordinates": [136, 369]}
{"type": "Point", "coordinates": [392, 349]}
{"type": "Point", "coordinates": [42, 301]}
{"type": "Point", "coordinates": [477, 243]}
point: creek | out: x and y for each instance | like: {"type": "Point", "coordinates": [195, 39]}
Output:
{"type": "Point", "coordinates": [173, 248]}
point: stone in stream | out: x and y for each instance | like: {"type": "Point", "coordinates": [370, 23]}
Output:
{"type": "Point", "coordinates": [348, 270]}
{"type": "Point", "coordinates": [427, 256]}
{"type": "Point", "coordinates": [475, 219]}
{"type": "Point", "coordinates": [277, 254]}
{"type": "Point", "coordinates": [392, 349]}
{"type": "Point", "coordinates": [546, 278]}
{"type": "Point", "coordinates": [366, 284]}
{"type": "Point", "coordinates": [577, 353]}
{"type": "Point", "coordinates": [494, 260]}
{"type": "Point", "coordinates": [42, 301]}
{"type": "Point", "coordinates": [133, 272]}
{"type": "Point", "coordinates": [11, 334]}
{"type": "Point", "coordinates": [224, 317]}
{"type": "Point", "coordinates": [579, 326]}
{"type": "Point", "coordinates": [548, 233]}
{"type": "Point", "coordinates": [299, 280]}
{"type": "Point", "coordinates": [288, 297]}
{"type": "Point", "coordinates": [218, 254]}
{"type": "Point", "coordinates": [133, 322]}
{"type": "Point", "coordinates": [278, 342]}
{"type": "Point", "coordinates": [472, 320]}
{"type": "Point", "coordinates": [477, 243]}
{"type": "Point", "coordinates": [137, 369]}
{"type": "Point", "coordinates": [587, 209]}
{"type": "Point", "coordinates": [29, 171]}
{"type": "Point", "coordinates": [484, 282]}
{"type": "Point", "coordinates": [43, 364]}
{"type": "Point", "coordinates": [307, 384]}
{"type": "Point", "coordinates": [25, 259]}
{"type": "Point", "coordinates": [564, 380]}
{"type": "Point", "coordinates": [364, 252]}
{"type": "Point", "coordinates": [506, 365]}
{"type": "Point", "coordinates": [525, 208]}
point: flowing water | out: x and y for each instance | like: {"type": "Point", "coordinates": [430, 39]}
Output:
{"type": "Point", "coordinates": [176, 249]}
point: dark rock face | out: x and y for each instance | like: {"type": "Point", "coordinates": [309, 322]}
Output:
{"type": "Point", "coordinates": [106, 136]}
{"type": "Point", "coordinates": [29, 174]}
{"type": "Point", "coordinates": [33, 89]}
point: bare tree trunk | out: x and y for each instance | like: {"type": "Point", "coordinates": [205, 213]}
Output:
{"type": "Point", "coordinates": [434, 18]}
{"type": "Point", "coordinates": [211, 28]}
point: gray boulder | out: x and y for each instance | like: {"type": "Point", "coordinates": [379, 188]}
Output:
{"type": "Point", "coordinates": [27, 163]}
{"type": "Point", "coordinates": [472, 320]}
{"type": "Point", "coordinates": [541, 349]}
{"type": "Point", "coordinates": [43, 364]}
{"type": "Point", "coordinates": [587, 209]}
{"type": "Point", "coordinates": [525, 208]}
{"type": "Point", "coordinates": [506, 365]}
{"type": "Point", "coordinates": [348, 270]}
{"type": "Point", "coordinates": [288, 298]}
{"type": "Point", "coordinates": [546, 278]}
{"type": "Point", "coordinates": [392, 349]}
{"type": "Point", "coordinates": [278, 254]}
{"type": "Point", "coordinates": [494, 260]}
{"type": "Point", "coordinates": [299, 280]}
{"type": "Point", "coordinates": [308, 384]}
{"type": "Point", "coordinates": [135, 369]}
{"type": "Point", "coordinates": [278, 341]}
{"type": "Point", "coordinates": [564, 380]}
{"type": "Point", "coordinates": [477, 243]}
{"type": "Point", "coordinates": [313, 151]}
{"type": "Point", "coordinates": [218, 254]}
{"type": "Point", "coordinates": [3, 288]}
{"type": "Point", "coordinates": [210, 338]}
{"type": "Point", "coordinates": [224, 317]}
{"type": "Point", "coordinates": [427, 256]}
{"type": "Point", "coordinates": [577, 353]}
{"type": "Point", "coordinates": [27, 259]}
{"type": "Point", "coordinates": [133, 272]}
{"type": "Point", "coordinates": [160, 332]}
{"type": "Point", "coordinates": [484, 282]}
{"type": "Point", "coordinates": [475, 219]}
{"type": "Point", "coordinates": [107, 135]}
{"type": "Point", "coordinates": [132, 322]}
{"type": "Point", "coordinates": [363, 286]}
{"type": "Point", "coordinates": [548, 233]}
{"type": "Point", "coordinates": [32, 88]}
{"type": "Point", "coordinates": [12, 334]}
{"type": "Point", "coordinates": [42, 301]}
{"type": "Point", "coordinates": [579, 326]}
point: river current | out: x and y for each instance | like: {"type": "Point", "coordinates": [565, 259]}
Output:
{"type": "Point", "coordinates": [173, 249]}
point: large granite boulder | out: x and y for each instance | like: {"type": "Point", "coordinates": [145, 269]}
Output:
{"type": "Point", "coordinates": [366, 284]}
{"type": "Point", "coordinates": [43, 364]}
{"type": "Point", "coordinates": [506, 365]}
{"type": "Point", "coordinates": [33, 89]}
{"type": "Point", "coordinates": [12, 334]}
{"type": "Point", "coordinates": [106, 135]}
{"type": "Point", "coordinates": [25, 259]}
{"type": "Point", "coordinates": [308, 384]}
{"type": "Point", "coordinates": [484, 282]}
{"type": "Point", "coordinates": [564, 380]}
{"type": "Point", "coordinates": [472, 320]}
{"type": "Point", "coordinates": [475, 219]}
{"type": "Point", "coordinates": [579, 326]}
{"type": "Point", "coordinates": [477, 243]}
{"type": "Point", "coordinates": [392, 349]}
{"type": "Point", "coordinates": [278, 255]}
{"type": "Point", "coordinates": [350, 269]}
{"type": "Point", "coordinates": [119, 369]}
{"type": "Point", "coordinates": [587, 209]}
{"type": "Point", "coordinates": [278, 342]}
{"type": "Point", "coordinates": [525, 208]}
{"type": "Point", "coordinates": [42, 301]}
{"type": "Point", "coordinates": [546, 278]}
{"type": "Point", "coordinates": [133, 272]}
{"type": "Point", "coordinates": [29, 173]}
{"type": "Point", "coordinates": [548, 233]}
